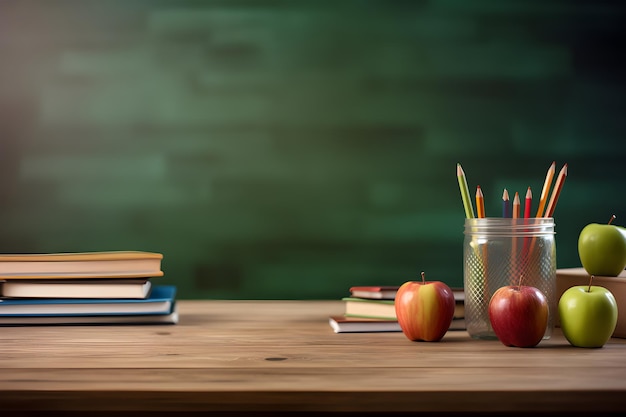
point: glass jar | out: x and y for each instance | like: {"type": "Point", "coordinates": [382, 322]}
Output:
{"type": "Point", "coordinates": [498, 252]}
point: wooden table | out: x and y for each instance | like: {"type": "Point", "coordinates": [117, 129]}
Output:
{"type": "Point", "coordinates": [282, 356]}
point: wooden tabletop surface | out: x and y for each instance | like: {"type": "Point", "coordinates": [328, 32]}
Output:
{"type": "Point", "coordinates": [272, 356]}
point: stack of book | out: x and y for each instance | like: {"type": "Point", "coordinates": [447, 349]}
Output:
{"type": "Point", "coordinates": [85, 288]}
{"type": "Point", "coordinates": [372, 309]}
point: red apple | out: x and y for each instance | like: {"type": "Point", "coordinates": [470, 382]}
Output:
{"type": "Point", "coordinates": [519, 315]}
{"type": "Point", "coordinates": [424, 309]}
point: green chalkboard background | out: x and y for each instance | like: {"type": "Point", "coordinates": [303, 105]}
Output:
{"type": "Point", "coordinates": [291, 149]}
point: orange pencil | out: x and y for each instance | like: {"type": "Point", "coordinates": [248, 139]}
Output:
{"type": "Point", "coordinates": [516, 206]}
{"type": "Point", "coordinates": [528, 203]}
{"type": "Point", "coordinates": [556, 192]}
{"type": "Point", "coordinates": [480, 203]}
{"type": "Point", "coordinates": [546, 189]}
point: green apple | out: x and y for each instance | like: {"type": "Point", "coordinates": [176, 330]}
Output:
{"type": "Point", "coordinates": [588, 315]}
{"type": "Point", "coordinates": [602, 249]}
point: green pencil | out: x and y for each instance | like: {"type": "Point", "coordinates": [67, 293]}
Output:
{"type": "Point", "coordinates": [467, 203]}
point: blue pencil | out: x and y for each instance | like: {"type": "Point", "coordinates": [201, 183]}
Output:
{"type": "Point", "coordinates": [506, 204]}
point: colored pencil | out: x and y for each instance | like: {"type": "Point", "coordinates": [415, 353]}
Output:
{"type": "Point", "coordinates": [514, 261]}
{"type": "Point", "coordinates": [558, 186]}
{"type": "Point", "coordinates": [480, 203]}
{"type": "Point", "coordinates": [527, 207]}
{"type": "Point", "coordinates": [506, 204]}
{"type": "Point", "coordinates": [516, 206]}
{"type": "Point", "coordinates": [467, 203]}
{"type": "Point", "coordinates": [546, 189]}
{"type": "Point", "coordinates": [528, 203]}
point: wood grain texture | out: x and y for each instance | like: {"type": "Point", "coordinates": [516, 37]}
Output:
{"type": "Point", "coordinates": [282, 356]}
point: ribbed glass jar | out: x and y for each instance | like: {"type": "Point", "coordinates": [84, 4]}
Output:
{"type": "Point", "coordinates": [496, 253]}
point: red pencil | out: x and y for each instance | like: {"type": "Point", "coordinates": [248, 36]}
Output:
{"type": "Point", "coordinates": [528, 203]}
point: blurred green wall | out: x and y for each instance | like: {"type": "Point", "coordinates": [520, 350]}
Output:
{"type": "Point", "coordinates": [291, 149]}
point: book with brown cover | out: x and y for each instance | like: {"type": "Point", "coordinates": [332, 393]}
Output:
{"type": "Point", "coordinates": [384, 292]}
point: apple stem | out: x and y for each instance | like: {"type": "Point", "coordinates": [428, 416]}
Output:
{"type": "Point", "coordinates": [589, 287]}
{"type": "Point", "coordinates": [612, 218]}
{"type": "Point", "coordinates": [519, 284]}
{"type": "Point", "coordinates": [423, 278]}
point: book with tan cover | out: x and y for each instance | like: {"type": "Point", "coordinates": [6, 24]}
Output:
{"type": "Point", "coordinates": [111, 264]}
{"type": "Point", "coordinates": [76, 288]}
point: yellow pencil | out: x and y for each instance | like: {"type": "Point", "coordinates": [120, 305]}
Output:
{"type": "Point", "coordinates": [556, 192]}
{"type": "Point", "coordinates": [546, 189]}
{"type": "Point", "coordinates": [467, 203]}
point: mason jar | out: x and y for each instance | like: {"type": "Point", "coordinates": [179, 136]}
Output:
{"type": "Point", "coordinates": [500, 251]}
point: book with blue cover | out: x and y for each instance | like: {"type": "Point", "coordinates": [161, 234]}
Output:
{"type": "Point", "coordinates": [159, 302]}
{"type": "Point", "coordinates": [117, 319]}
